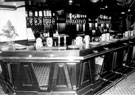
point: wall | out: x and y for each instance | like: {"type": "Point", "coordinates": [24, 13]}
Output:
{"type": "Point", "coordinates": [17, 19]}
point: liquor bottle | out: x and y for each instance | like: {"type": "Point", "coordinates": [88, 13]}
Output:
{"type": "Point", "coordinates": [27, 19]}
{"type": "Point", "coordinates": [71, 27]}
{"type": "Point", "coordinates": [84, 23]}
{"type": "Point", "coordinates": [96, 33]}
{"type": "Point", "coordinates": [44, 19]}
{"type": "Point", "coordinates": [35, 26]}
{"type": "Point", "coordinates": [89, 29]}
{"type": "Point", "coordinates": [30, 16]}
{"type": "Point", "coordinates": [78, 26]}
{"type": "Point", "coordinates": [27, 14]}
{"type": "Point", "coordinates": [36, 18]}
{"type": "Point", "coordinates": [105, 35]}
{"type": "Point", "coordinates": [40, 20]}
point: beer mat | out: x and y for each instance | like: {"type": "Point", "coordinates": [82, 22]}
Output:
{"type": "Point", "coordinates": [103, 42]}
{"type": "Point", "coordinates": [73, 47]}
{"type": "Point", "coordinates": [51, 48]}
{"type": "Point", "coordinates": [62, 35]}
{"type": "Point", "coordinates": [4, 48]}
{"type": "Point", "coordinates": [94, 43]}
{"type": "Point", "coordinates": [19, 46]}
{"type": "Point", "coordinates": [113, 40]}
{"type": "Point", "coordinates": [12, 47]}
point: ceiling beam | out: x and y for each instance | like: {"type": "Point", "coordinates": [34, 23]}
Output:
{"type": "Point", "coordinates": [132, 3]}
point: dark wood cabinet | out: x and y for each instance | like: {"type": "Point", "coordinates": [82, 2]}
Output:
{"type": "Point", "coordinates": [64, 72]}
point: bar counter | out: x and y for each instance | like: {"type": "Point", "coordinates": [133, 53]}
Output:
{"type": "Point", "coordinates": [66, 71]}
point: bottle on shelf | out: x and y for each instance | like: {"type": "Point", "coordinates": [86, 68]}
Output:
{"type": "Point", "coordinates": [106, 33]}
{"type": "Point", "coordinates": [30, 16]}
{"type": "Point", "coordinates": [36, 19]}
{"type": "Point", "coordinates": [40, 20]}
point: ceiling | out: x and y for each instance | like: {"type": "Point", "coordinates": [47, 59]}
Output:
{"type": "Point", "coordinates": [109, 6]}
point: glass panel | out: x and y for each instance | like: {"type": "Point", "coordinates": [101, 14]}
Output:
{"type": "Point", "coordinates": [42, 73]}
{"type": "Point", "coordinates": [98, 66]}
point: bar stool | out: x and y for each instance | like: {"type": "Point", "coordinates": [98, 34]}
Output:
{"type": "Point", "coordinates": [119, 65]}
{"type": "Point", "coordinates": [106, 71]}
{"type": "Point", "coordinates": [131, 58]}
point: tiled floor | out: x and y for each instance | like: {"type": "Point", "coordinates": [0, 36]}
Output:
{"type": "Point", "coordinates": [1, 91]}
{"type": "Point", "coordinates": [125, 87]}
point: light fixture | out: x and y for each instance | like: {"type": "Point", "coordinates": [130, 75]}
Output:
{"type": "Point", "coordinates": [129, 10]}
{"type": "Point", "coordinates": [11, 6]}
{"type": "Point", "coordinates": [94, 1]}
{"type": "Point", "coordinates": [8, 7]}
{"type": "Point", "coordinates": [70, 2]}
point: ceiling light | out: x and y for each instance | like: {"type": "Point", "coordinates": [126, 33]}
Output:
{"type": "Point", "coordinates": [94, 1]}
{"type": "Point", "coordinates": [7, 7]}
